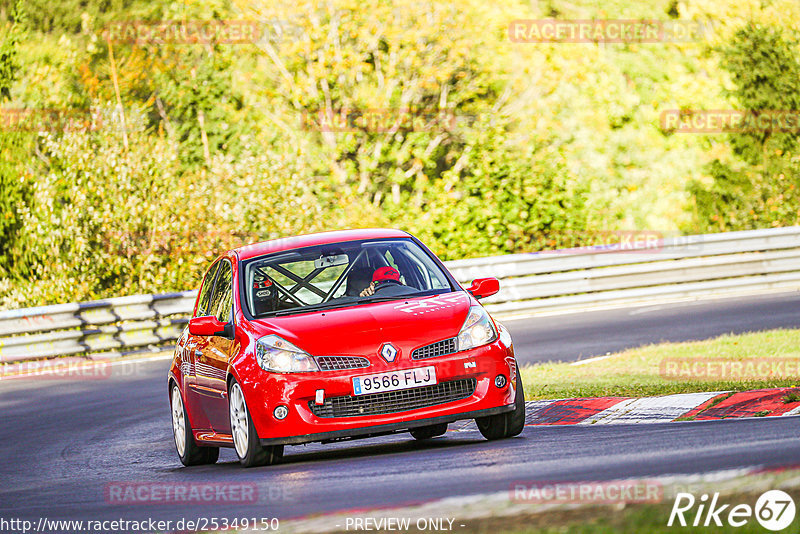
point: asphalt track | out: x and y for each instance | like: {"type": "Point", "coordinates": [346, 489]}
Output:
{"type": "Point", "coordinates": [63, 442]}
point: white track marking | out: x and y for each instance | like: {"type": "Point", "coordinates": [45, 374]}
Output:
{"type": "Point", "coordinates": [591, 360]}
{"type": "Point", "coordinates": [793, 411]}
{"type": "Point", "coordinates": [650, 409]}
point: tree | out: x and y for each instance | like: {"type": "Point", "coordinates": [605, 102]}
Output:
{"type": "Point", "coordinates": [14, 145]}
{"type": "Point", "coordinates": [761, 188]}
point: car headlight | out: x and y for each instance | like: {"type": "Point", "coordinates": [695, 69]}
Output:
{"type": "Point", "coordinates": [477, 331]}
{"type": "Point", "coordinates": [275, 354]}
{"type": "Point", "coordinates": [504, 335]}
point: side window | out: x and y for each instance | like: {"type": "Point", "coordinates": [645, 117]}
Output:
{"type": "Point", "coordinates": [400, 265]}
{"type": "Point", "coordinates": [222, 299]}
{"type": "Point", "coordinates": [421, 276]}
{"type": "Point", "coordinates": [205, 291]}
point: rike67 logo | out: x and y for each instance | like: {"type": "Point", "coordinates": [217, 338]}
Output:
{"type": "Point", "coordinates": [774, 510]}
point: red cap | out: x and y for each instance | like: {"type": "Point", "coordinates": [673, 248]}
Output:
{"type": "Point", "coordinates": [385, 273]}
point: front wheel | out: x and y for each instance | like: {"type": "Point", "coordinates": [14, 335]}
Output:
{"type": "Point", "coordinates": [505, 425]}
{"type": "Point", "coordinates": [245, 438]}
{"type": "Point", "coordinates": [188, 451]}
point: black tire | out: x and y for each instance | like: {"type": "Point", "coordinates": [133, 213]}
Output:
{"type": "Point", "coordinates": [428, 432]}
{"type": "Point", "coordinates": [251, 453]}
{"type": "Point", "coordinates": [192, 453]}
{"type": "Point", "coordinates": [505, 425]}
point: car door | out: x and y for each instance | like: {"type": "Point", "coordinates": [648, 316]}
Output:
{"type": "Point", "coordinates": [212, 361]}
{"type": "Point", "coordinates": [191, 346]}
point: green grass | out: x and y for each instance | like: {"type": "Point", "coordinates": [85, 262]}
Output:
{"type": "Point", "coordinates": [634, 519]}
{"type": "Point", "coordinates": [638, 372]}
{"type": "Point", "coordinates": [494, 516]}
{"type": "Point", "coordinates": [791, 397]}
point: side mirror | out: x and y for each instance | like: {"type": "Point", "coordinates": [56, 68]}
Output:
{"type": "Point", "coordinates": [484, 287]}
{"type": "Point", "coordinates": [209, 326]}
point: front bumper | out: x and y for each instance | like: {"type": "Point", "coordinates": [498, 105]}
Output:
{"type": "Point", "coordinates": [382, 430]}
{"type": "Point", "coordinates": [265, 391]}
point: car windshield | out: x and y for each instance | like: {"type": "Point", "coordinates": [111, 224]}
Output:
{"type": "Point", "coordinates": [339, 274]}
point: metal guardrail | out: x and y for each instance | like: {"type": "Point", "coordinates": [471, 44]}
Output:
{"type": "Point", "coordinates": [551, 281]}
{"type": "Point", "coordinates": [682, 267]}
{"type": "Point", "coordinates": [124, 323]}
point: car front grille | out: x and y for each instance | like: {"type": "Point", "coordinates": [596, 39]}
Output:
{"type": "Point", "coordinates": [337, 363]}
{"type": "Point", "coordinates": [395, 401]}
{"type": "Point", "coordinates": [440, 348]}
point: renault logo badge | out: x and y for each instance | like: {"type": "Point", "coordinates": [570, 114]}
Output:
{"type": "Point", "coordinates": [388, 352]}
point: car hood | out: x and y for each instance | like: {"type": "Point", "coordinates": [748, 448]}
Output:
{"type": "Point", "coordinates": [361, 330]}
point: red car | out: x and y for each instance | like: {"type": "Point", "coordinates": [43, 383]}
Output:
{"type": "Point", "coordinates": [334, 336]}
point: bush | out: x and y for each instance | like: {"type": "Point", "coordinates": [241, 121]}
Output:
{"type": "Point", "coordinates": [760, 188]}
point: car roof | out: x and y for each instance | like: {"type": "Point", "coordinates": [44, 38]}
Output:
{"type": "Point", "coordinates": [309, 240]}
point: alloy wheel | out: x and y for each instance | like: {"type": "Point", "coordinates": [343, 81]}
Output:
{"type": "Point", "coordinates": [239, 428]}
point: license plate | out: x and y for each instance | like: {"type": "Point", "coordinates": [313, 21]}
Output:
{"type": "Point", "coordinates": [393, 380]}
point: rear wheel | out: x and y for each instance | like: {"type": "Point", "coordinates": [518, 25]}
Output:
{"type": "Point", "coordinates": [505, 425]}
{"type": "Point", "coordinates": [428, 432]}
{"type": "Point", "coordinates": [188, 451]}
{"type": "Point", "coordinates": [245, 438]}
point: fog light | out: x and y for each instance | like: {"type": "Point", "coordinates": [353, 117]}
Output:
{"type": "Point", "coordinates": [281, 412]}
{"type": "Point", "coordinates": [500, 381]}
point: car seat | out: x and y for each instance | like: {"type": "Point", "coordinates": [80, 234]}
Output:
{"type": "Point", "coordinates": [358, 280]}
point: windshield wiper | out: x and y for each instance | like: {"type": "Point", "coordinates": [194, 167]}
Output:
{"type": "Point", "coordinates": [333, 305]}
{"type": "Point", "coordinates": [385, 298]}
{"type": "Point", "coordinates": [310, 308]}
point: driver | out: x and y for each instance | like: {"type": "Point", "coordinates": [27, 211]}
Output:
{"type": "Point", "coordinates": [383, 279]}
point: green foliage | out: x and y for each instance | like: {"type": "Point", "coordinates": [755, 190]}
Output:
{"type": "Point", "coordinates": [481, 146]}
{"type": "Point", "coordinates": [152, 228]}
{"type": "Point", "coordinates": [14, 186]}
{"type": "Point", "coordinates": [421, 62]}
{"type": "Point", "coordinates": [9, 61]}
{"type": "Point", "coordinates": [763, 188]}
{"type": "Point", "coordinates": [67, 16]}
{"type": "Point", "coordinates": [766, 72]}
{"type": "Point", "coordinates": [415, 113]}
{"type": "Point", "coordinates": [201, 106]}
{"type": "Point", "coordinates": [504, 199]}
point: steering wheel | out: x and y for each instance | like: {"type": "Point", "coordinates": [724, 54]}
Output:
{"type": "Point", "coordinates": [383, 284]}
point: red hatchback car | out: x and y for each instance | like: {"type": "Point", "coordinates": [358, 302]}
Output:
{"type": "Point", "coordinates": [335, 336]}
